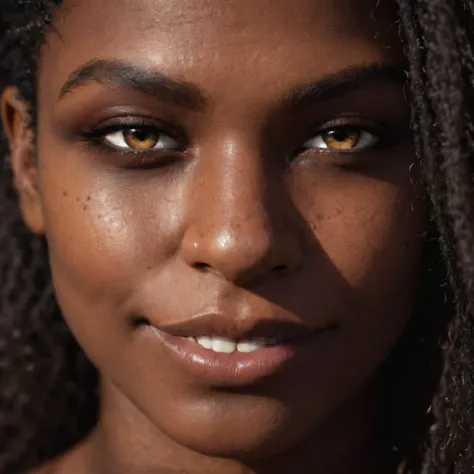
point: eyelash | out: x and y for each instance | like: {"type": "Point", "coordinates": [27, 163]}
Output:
{"type": "Point", "coordinates": [384, 134]}
{"type": "Point", "coordinates": [95, 138]}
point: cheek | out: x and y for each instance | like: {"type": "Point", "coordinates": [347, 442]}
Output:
{"type": "Point", "coordinates": [374, 238]}
{"type": "Point", "coordinates": [370, 224]}
{"type": "Point", "coordinates": [105, 232]}
{"type": "Point", "coordinates": [371, 231]}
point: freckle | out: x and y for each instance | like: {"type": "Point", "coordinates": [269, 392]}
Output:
{"type": "Point", "coordinates": [77, 199]}
{"type": "Point", "coordinates": [338, 211]}
{"type": "Point", "coordinates": [149, 268]}
{"type": "Point", "coordinates": [84, 207]}
{"type": "Point", "coordinates": [65, 194]}
{"type": "Point", "coordinates": [88, 198]}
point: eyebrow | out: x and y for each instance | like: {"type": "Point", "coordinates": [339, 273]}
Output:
{"type": "Point", "coordinates": [342, 83]}
{"type": "Point", "coordinates": [188, 95]}
{"type": "Point", "coordinates": [122, 74]}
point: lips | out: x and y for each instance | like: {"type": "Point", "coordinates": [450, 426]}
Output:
{"type": "Point", "coordinates": [229, 352]}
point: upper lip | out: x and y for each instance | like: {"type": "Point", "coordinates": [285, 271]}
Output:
{"type": "Point", "coordinates": [214, 324]}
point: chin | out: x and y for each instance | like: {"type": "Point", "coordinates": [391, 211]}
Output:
{"type": "Point", "coordinates": [225, 444]}
{"type": "Point", "coordinates": [253, 434]}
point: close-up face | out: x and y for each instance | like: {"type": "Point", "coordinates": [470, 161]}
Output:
{"type": "Point", "coordinates": [233, 174]}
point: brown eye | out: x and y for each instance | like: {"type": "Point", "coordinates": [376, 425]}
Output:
{"type": "Point", "coordinates": [342, 139]}
{"type": "Point", "coordinates": [141, 139]}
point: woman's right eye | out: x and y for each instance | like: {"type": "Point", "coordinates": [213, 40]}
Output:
{"type": "Point", "coordinates": [140, 139]}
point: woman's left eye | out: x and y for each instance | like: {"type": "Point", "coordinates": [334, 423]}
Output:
{"type": "Point", "coordinates": [140, 139]}
{"type": "Point", "coordinates": [343, 139]}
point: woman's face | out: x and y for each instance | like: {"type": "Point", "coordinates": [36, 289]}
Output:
{"type": "Point", "coordinates": [227, 168]}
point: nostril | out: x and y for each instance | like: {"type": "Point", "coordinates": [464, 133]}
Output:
{"type": "Point", "coordinates": [140, 321]}
{"type": "Point", "coordinates": [202, 266]}
{"type": "Point", "coordinates": [280, 268]}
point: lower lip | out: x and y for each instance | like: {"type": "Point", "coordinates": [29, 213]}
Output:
{"type": "Point", "coordinates": [237, 368]}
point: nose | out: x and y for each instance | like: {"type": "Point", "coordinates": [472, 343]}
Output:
{"type": "Point", "coordinates": [240, 223]}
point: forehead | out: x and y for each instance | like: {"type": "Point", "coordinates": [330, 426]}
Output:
{"type": "Point", "coordinates": [287, 40]}
{"type": "Point", "coordinates": [228, 16]}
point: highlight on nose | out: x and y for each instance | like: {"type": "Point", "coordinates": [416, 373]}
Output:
{"type": "Point", "coordinates": [240, 253]}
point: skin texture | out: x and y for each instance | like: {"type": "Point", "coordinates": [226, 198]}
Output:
{"type": "Point", "coordinates": [238, 221]}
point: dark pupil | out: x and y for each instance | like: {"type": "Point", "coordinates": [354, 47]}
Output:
{"type": "Point", "coordinates": [140, 134]}
{"type": "Point", "coordinates": [340, 135]}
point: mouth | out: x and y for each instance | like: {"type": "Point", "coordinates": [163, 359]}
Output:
{"type": "Point", "coordinates": [226, 345]}
{"type": "Point", "coordinates": [224, 352]}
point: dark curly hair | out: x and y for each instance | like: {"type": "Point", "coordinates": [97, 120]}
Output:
{"type": "Point", "coordinates": [48, 390]}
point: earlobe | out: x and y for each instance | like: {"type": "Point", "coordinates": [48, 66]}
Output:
{"type": "Point", "coordinates": [15, 120]}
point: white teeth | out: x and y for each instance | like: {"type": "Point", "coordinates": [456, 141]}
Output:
{"type": "Point", "coordinates": [227, 346]}
{"type": "Point", "coordinates": [205, 341]}
{"type": "Point", "coordinates": [223, 344]}
{"type": "Point", "coordinates": [250, 346]}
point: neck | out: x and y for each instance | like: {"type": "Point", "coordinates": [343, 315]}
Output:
{"type": "Point", "coordinates": [125, 442]}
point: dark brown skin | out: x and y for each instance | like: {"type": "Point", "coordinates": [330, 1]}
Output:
{"type": "Point", "coordinates": [129, 235]}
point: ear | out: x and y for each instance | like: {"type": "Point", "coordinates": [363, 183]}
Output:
{"type": "Point", "coordinates": [15, 119]}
